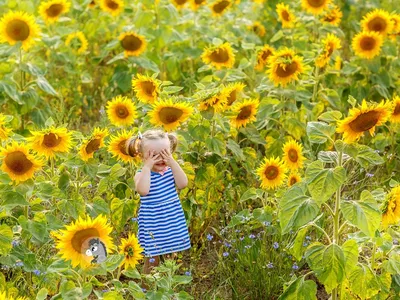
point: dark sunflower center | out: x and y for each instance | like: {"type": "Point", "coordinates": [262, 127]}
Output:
{"type": "Point", "coordinates": [285, 16]}
{"type": "Point", "coordinates": [316, 3]}
{"type": "Point", "coordinates": [129, 252]}
{"type": "Point", "coordinates": [219, 56]}
{"type": "Point", "coordinates": [271, 172]}
{"type": "Point", "coordinates": [131, 43]}
{"type": "Point", "coordinates": [232, 97]}
{"type": "Point", "coordinates": [121, 111]}
{"type": "Point", "coordinates": [18, 30]}
{"type": "Point", "coordinates": [293, 180]}
{"type": "Point", "coordinates": [365, 121]}
{"type": "Point", "coordinates": [293, 156]}
{"type": "Point", "coordinates": [122, 147]}
{"type": "Point", "coordinates": [82, 237]}
{"type": "Point", "coordinates": [330, 18]}
{"type": "Point", "coordinates": [286, 70]}
{"type": "Point", "coordinates": [331, 47]}
{"type": "Point", "coordinates": [397, 110]}
{"type": "Point", "coordinates": [148, 88]}
{"type": "Point", "coordinates": [54, 10]}
{"type": "Point", "coordinates": [367, 43]}
{"type": "Point", "coordinates": [112, 4]}
{"type": "Point", "coordinates": [257, 29]}
{"type": "Point", "coordinates": [92, 146]}
{"type": "Point", "coordinates": [245, 113]}
{"type": "Point", "coordinates": [18, 163]}
{"type": "Point", "coordinates": [377, 24]}
{"type": "Point", "coordinates": [180, 2]}
{"type": "Point", "coordinates": [51, 140]}
{"type": "Point", "coordinates": [170, 114]}
{"type": "Point", "coordinates": [220, 6]}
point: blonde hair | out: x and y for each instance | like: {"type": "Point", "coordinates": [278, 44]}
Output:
{"type": "Point", "coordinates": [135, 145]}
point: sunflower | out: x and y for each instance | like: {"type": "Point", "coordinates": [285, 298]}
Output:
{"type": "Point", "coordinates": [132, 251]}
{"type": "Point", "coordinates": [92, 4]}
{"type": "Point", "coordinates": [219, 56]}
{"type": "Point", "coordinates": [114, 7]}
{"type": "Point", "coordinates": [51, 141]}
{"type": "Point", "coordinates": [133, 44]}
{"type": "Point", "coordinates": [363, 119]}
{"type": "Point", "coordinates": [3, 296]}
{"type": "Point", "coordinates": [367, 44]}
{"type": "Point", "coordinates": [51, 10]}
{"type": "Point", "coordinates": [284, 67]}
{"type": "Point", "coordinates": [395, 118]}
{"type": "Point", "coordinates": [18, 27]}
{"type": "Point", "coordinates": [245, 112]}
{"type": "Point", "coordinates": [73, 241]}
{"type": "Point", "coordinates": [395, 18]}
{"type": "Point", "coordinates": [258, 29]}
{"type": "Point", "coordinates": [121, 111]}
{"type": "Point", "coordinates": [197, 3]}
{"type": "Point", "coordinates": [378, 21]}
{"type": "Point", "coordinates": [338, 63]}
{"type": "Point", "coordinates": [219, 7]}
{"type": "Point", "coordinates": [293, 178]}
{"type": "Point", "coordinates": [78, 42]}
{"type": "Point", "coordinates": [262, 57]}
{"type": "Point", "coordinates": [147, 89]}
{"type": "Point", "coordinates": [179, 3]}
{"type": "Point", "coordinates": [292, 155]}
{"type": "Point", "coordinates": [4, 131]}
{"type": "Point", "coordinates": [315, 6]}
{"type": "Point", "coordinates": [333, 16]}
{"type": "Point", "coordinates": [391, 208]}
{"type": "Point", "coordinates": [170, 115]}
{"type": "Point", "coordinates": [217, 103]}
{"type": "Point", "coordinates": [285, 15]}
{"type": "Point", "coordinates": [271, 172]}
{"type": "Point", "coordinates": [18, 163]}
{"type": "Point", "coordinates": [232, 90]}
{"type": "Point", "coordinates": [92, 144]}
{"type": "Point", "coordinates": [117, 146]}
{"type": "Point", "coordinates": [330, 44]}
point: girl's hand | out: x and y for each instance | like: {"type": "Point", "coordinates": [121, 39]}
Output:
{"type": "Point", "coordinates": [167, 157]}
{"type": "Point", "coordinates": [151, 159]}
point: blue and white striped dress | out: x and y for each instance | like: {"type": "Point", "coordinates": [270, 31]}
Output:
{"type": "Point", "coordinates": [162, 223]}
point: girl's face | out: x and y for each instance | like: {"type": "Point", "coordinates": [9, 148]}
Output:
{"type": "Point", "coordinates": [156, 146]}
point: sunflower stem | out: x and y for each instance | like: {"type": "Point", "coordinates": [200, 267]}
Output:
{"type": "Point", "coordinates": [119, 272]}
{"type": "Point", "coordinates": [315, 89]}
{"type": "Point", "coordinates": [373, 257]}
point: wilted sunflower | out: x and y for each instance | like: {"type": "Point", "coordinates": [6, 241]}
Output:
{"type": "Point", "coordinates": [391, 208]}
{"type": "Point", "coordinates": [333, 16]}
{"type": "Point", "coordinates": [219, 56]}
{"type": "Point", "coordinates": [51, 141]}
{"type": "Point", "coordinates": [121, 111]}
{"type": "Point", "coordinates": [293, 155]}
{"type": "Point", "coordinates": [18, 27]}
{"type": "Point", "coordinates": [293, 178]}
{"type": "Point", "coordinates": [4, 131]}
{"type": "Point", "coordinates": [367, 44]}
{"type": "Point", "coordinates": [147, 89]}
{"type": "Point", "coordinates": [258, 29]}
{"type": "Point", "coordinates": [378, 21]}
{"type": "Point", "coordinates": [271, 173]}
{"type": "Point", "coordinates": [78, 42]}
{"type": "Point", "coordinates": [330, 44]}
{"type": "Point", "coordinates": [219, 7]}
{"type": "Point", "coordinates": [245, 112]}
{"type": "Point", "coordinates": [218, 102]}
{"type": "Point", "coordinates": [169, 115]}
{"type": "Point", "coordinates": [262, 57]}
{"type": "Point", "coordinates": [132, 251]}
{"type": "Point", "coordinates": [73, 241]}
{"type": "Point", "coordinates": [18, 163]}
{"type": "Point", "coordinates": [285, 15]}
{"type": "Point", "coordinates": [284, 67]}
{"type": "Point", "coordinates": [51, 10]}
{"type": "Point", "coordinates": [197, 3]}
{"type": "Point", "coordinates": [315, 6]}
{"type": "Point", "coordinates": [133, 44]}
{"type": "Point", "coordinates": [114, 7]}
{"type": "Point", "coordinates": [395, 118]}
{"type": "Point", "coordinates": [117, 146]}
{"type": "Point", "coordinates": [92, 144]}
{"type": "Point", "coordinates": [231, 91]}
{"type": "Point", "coordinates": [363, 119]}
{"type": "Point", "coordinates": [179, 3]}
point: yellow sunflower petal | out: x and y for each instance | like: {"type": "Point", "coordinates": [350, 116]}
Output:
{"type": "Point", "coordinates": [286, 17]}
{"type": "Point", "coordinates": [132, 251]}
{"type": "Point", "coordinates": [78, 42]}
{"type": "Point", "coordinates": [4, 130]}
{"type": "Point", "coordinates": [258, 29]}
{"type": "Point", "coordinates": [121, 111]}
{"type": "Point", "coordinates": [330, 44]}
{"type": "Point", "coordinates": [378, 21]}
{"type": "Point", "coordinates": [232, 91]}
{"type": "Point", "coordinates": [113, 7]}
{"type": "Point", "coordinates": [219, 7]}
{"type": "Point", "coordinates": [51, 141]}
{"type": "Point", "coordinates": [395, 117]}
{"type": "Point", "coordinates": [117, 147]}
{"type": "Point", "coordinates": [315, 7]}
{"type": "Point", "coordinates": [92, 144]}
{"type": "Point", "coordinates": [245, 112]}
{"type": "Point", "coordinates": [147, 89]}
{"type": "Point", "coordinates": [284, 67]}
{"type": "Point", "coordinates": [293, 155]}
{"type": "Point", "coordinates": [169, 115]}
{"type": "Point", "coordinates": [195, 4]}
{"type": "Point", "coordinates": [367, 44]}
{"type": "Point", "coordinates": [391, 208]}
{"type": "Point", "coordinates": [133, 44]}
{"type": "Point", "coordinates": [333, 16]}
{"type": "Point", "coordinates": [51, 10]}
{"type": "Point", "coordinates": [272, 173]}
{"type": "Point", "coordinates": [219, 56]}
{"type": "Point", "coordinates": [179, 3]}
{"type": "Point", "coordinates": [263, 56]}
{"type": "Point", "coordinates": [293, 178]}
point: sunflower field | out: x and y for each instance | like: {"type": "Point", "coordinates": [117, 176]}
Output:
{"type": "Point", "coordinates": [287, 115]}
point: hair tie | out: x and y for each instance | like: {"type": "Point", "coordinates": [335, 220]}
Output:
{"type": "Point", "coordinates": [140, 135]}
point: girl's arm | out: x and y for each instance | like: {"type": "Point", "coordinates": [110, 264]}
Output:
{"type": "Point", "coordinates": [180, 177]}
{"type": "Point", "coordinates": [142, 181]}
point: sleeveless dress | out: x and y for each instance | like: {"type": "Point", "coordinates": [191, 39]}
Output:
{"type": "Point", "coordinates": [161, 220]}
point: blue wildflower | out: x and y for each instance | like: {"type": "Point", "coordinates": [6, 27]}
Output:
{"type": "Point", "coordinates": [19, 263]}
{"type": "Point", "coordinates": [266, 223]}
{"type": "Point", "coordinates": [134, 219]}
{"type": "Point", "coordinates": [15, 243]}
{"type": "Point", "coordinates": [225, 254]}
{"type": "Point", "coordinates": [270, 265]}
{"type": "Point", "coordinates": [275, 245]}
{"type": "Point", "coordinates": [188, 273]}
{"type": "Point", "coordinates": [395, 241]}
{"type": "Point", "coordinates": [209, 237]}
{"type": "Point", "coordinates": [252, 236]}
{"type": "Point", "coordinates": [144, 290]}
{"type": "Point", "coordinates": [227, 245]}
{"type": "Point", "coordinates": [241, 238]}
{"type": "Point", "coordinates": [295, 266]}
{"type": "Point", "coordinates": [151, 260]}
{"type": "Point", "coordinates": [36, 272]}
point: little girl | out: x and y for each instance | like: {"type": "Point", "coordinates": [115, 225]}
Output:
{"type": "Point", "coordinates": [162, 223]}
